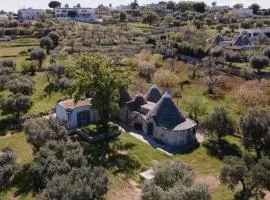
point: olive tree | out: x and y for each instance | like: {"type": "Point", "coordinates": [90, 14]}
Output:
{"type": "Point", "coordinates": [251, 174]}
{"type": "Point", "coordinates": [55, 37]}
{"type": "Point", "coordinates": [232, 57]}
{"type": "Point", "coordinates": [70, 186]}
{"type": "Point", "coordinates": [55, 158]}
{"type": "Point", "coordinates": [266, 52]}
{"type": "Point", "coordinates": [255, 130]}
{"type": "Point", "coordinates": [15, 104]}
{"type": "Point", "coordinates": [8, 167]}
{"type": "Point", "coordinates": [39, 131]}
{"type": "Point", "coordinates": [47, 43]}
{"type": "Point", "coordinates": [23, 85]}
{"type": "Point", "coordinates": [39, 55]}
{"type": "Point", "coordinates": [174, 180]}
{"type": "Point", "coordinates": [218, 123]}
{"type": "Point", "coordinates": [150, 18]}
{"type": "Point", "coordinates": [259, 62]}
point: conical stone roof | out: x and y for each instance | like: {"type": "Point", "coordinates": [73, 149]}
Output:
{"type": "Point", "coordinates": [166, 114]}
{"type": "Point", "coordinates": [125, 96]}
{"type": "Point", "coordinates": [139, 100]}
{"type": "Point", "coordinates": [154, 94]}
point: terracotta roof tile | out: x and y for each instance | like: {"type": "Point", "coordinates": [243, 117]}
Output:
{"type": "Point", "coordinates": [71, 104]}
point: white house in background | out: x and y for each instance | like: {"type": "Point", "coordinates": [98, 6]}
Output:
{"type": "Point", "coordinates": [76, 114]}
{"type": "Point", "coordinates": [220, 8]}
{"type": "Point", "coordinates": [81, 14]}
{"type": "Point", "coordinates": [3, 16]}
{"type": "Point", "coordinates": [243, 12]}
{"type": "Point", "coordinates": [157, 6]}
{"type": "Point", "coordinates": [30, 14]}
{"type": "Point", "coordinates": [123, 7]}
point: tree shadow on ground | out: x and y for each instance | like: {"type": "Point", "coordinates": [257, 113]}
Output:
{"type": "Point", "coordinates": [50, 88]}
{"type": "Point", "coordinates": [22, 182]}
{"type": "Point", "coordinates": [220, 150]}
{"type": "Point", "coordinates": [113, 155]}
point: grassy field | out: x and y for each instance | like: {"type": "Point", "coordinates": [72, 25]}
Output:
{"type": "Point", "coordinates": [42, 100]}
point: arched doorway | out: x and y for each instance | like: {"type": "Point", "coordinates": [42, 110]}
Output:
{"type": "Point", "coordinates": [150, 128]}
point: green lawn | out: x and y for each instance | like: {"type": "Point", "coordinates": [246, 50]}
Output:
{"type": "Point", "coordinates": [13, 51]}
{"type": "Point", "coordinates": [42, 101]}
{"type": "Point", "coordinates": [204, 164]}
{"type": "Point", "coordinates": [17, 142]}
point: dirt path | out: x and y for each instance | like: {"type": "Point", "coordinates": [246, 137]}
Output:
{"type": "Point", "coordinates": [130, 191]}
{"type": "Point", "coordinates": [210, 180]}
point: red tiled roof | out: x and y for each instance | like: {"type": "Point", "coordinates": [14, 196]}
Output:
{"type": "Point", "coordinates": [71, 104]}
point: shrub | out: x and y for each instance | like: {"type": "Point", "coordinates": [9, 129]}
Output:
{"type": "Point", "coordinates": [259, 62]}
{"type": "Point", "coordinates": [266, 52]}
{"type": "Point", "coordinates": [166, 79]}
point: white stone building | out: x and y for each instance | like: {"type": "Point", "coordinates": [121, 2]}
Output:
{"type": "Point", "coordinates": [76, 13]}
{"type": "Point", "coordinates": [30, 14]}
{"type": "Point", "coordinates": [243, 12]}
{"type": "Point", "coordinates": [157, 115]}
{"type": "Point", "coordinates": [76, 114]}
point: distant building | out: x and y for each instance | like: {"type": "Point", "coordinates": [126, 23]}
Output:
{"type": "Point", "coordinates": [76, 13]}
{"type": "Point", "coordinates": [162, 6]}
{"type": "Point", "coordinates": [3, 16]}
{"type": "Point", "coordinates": [31, 14]}
{"type": "Point", "coordinates": [123, 7]}
{"type": "Point", "coordinates": [220, 8]}
{"type": "Point", "coordinates": [243, 12]}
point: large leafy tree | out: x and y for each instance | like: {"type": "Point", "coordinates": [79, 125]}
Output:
{"type": "Point", "coordinates": [255, 7]}
{"type": "Point", "coordinates": [70, 186]}
{"type": "Point", "coordinates": [174, 181]}
{"type": "Point", "coordinates": [218, 123]}
{"type": "Point", "coordinates": [8, 167]}
{"type": "Point", "coordinates": [255, 130]}
{"type": "Point", "coordinates": [253, 176]}
{"type": "Point", "coordinates": [99, 78]}
{"type": "Point", "coordinates": [54, 4]}
{"type": "Point", "coordinates": [41, 130]}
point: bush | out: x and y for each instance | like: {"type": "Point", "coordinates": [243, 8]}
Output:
{"type": "Point", "coordinates": [232, 57]}
{"type": "Point", "coordinates": [266, 52]}
{"type": "Point", "coordinates": [166, 79]}
{"type": "Point", "coordinates": [259, 62]}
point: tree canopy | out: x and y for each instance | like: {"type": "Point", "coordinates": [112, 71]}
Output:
{"type": "Point", "coordinates": [41, 130]}
{"type": "Point", "coordinates": [8, 167]}
{"type": "Point", "coordinates": [218, 123]}
{"type": "Point", "coordinates": [54, 4]}
{"type": "Point", "coordinates": [99, 78]}
{"type": "Point", "coordinates": [70, 186]}
{"type": "Point", "coordinates": [174, 180]}
{"type": "Point", "coordinates": [255, 130]}
{"type": "Point", "coordinates": [253, 176]}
